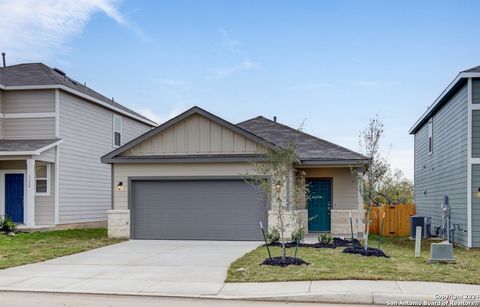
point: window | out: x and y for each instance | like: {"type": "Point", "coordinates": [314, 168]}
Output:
{"type": "Point", "coordinates": [42, 179]}
{"type": "Point", "coordinates": [117, 130]}
{"type": "Point", "coordinates": [430, 138]}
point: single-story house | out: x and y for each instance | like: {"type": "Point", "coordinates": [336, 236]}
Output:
{"type": "Point", "coordinates": [185, 180]}
{"type": "Point", "coordinates": [447, 159]}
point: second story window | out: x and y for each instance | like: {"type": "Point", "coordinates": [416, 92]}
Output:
{"type": "Point", "coordinates": [430, 137]}
{"type": "Point", "coordinates": [117, 130]}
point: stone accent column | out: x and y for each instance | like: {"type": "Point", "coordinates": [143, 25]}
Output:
{"type": "Point", "coordinates": [290, 221]}
{"type": "Point", "coordinates": [118, 223]}
{"type": "Point", "coordinates": [341, 223]}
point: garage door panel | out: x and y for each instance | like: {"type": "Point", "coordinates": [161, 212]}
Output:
{"type": "Point", "coordinates": [210, 209]}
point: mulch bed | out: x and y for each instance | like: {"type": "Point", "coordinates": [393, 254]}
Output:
{"type": "Point", "coordinates": [284, 262]}
{"type": "Point", "coordinates": [336, 242]}
{"type": "Point", "coordinates": [370, 252]}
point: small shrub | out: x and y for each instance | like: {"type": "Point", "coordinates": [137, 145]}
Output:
{"type": "Point", "coordinates": [298, 235]}
{"type": "Point", "coordinates": [273, 236]}
{"type": "Point", "coordinates": [7, 225]}
{"type": "Point", "coordinates": [325, 238]}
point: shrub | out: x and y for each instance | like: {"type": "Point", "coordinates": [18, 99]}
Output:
{"type": "Point", "coordinates": [7, 225]}
{"type": "Point", "coordinates": [325, 238]}
{"type": "Point", "coordinates": [273, 236]}
{"type": "Point", "coordinates": [298, 235]}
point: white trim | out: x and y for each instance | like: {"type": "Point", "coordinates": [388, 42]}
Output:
{"type": "Point", "coordinates": [119, 131]}
{"type": "Point", "coordinates": [469, 164]}
{"type": "Point", "coordinates": [80, 94]}
{"type": "Point", "coordinates": [442, 95]}
{"type": "Point", "coordinates": [48, 178]}
{"type": "Point", "coordinates": [29, 115]}
{"type": "Point", "coordinates": [30, 153]}
{"type": "Point", "coordinates": [56, 192]}
{"type": "Point", "coordinates": [2, 189]}
{"type": "Point", "coordinates": [30, 196]}
{"type": "Point", "coordinates": [57, 113]}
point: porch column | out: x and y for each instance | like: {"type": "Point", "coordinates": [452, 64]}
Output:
{"type": "Point", "coordinates": [30, 193]}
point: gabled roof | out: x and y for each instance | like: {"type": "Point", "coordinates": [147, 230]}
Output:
{"type": "Point", "coordinates": [112, 156]}
{"type": "Point", "coordinates": [26, 147]}
{"type": "Point", "coordinates": [39, 75]}
{"type": "Point", "coordinates": [310, 149]}
{"type": "Point", "coordinates": [452, 88]}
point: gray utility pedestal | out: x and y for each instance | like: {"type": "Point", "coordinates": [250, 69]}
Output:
{"type": "Point", "coordinates": [441, 252]}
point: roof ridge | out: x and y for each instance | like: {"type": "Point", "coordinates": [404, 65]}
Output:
{"type": "Point", "coordinates": [308, 134]}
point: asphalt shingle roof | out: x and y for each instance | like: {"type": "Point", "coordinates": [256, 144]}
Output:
{"type": "Point", "coordinates": [308, 146]}
{"type": "Point", "coordinates": [24, 145]}
{"type": "Point", "coordinates": [41, 74]}
{"type": "Point", "coordinates": [473, 69]}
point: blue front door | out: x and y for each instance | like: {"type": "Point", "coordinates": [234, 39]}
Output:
{"type": "Point", "coordinates": [14, 197]}
{"type": "Point", "coordinates": [319, 202]}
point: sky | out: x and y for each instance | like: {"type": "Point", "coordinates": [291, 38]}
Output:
{"type": "Point", "coordinates": [327, 66]}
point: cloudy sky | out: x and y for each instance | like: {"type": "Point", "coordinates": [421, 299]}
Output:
{"type": "Point", "coordinates": [330, 64]}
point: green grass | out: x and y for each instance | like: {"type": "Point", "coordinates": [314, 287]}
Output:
{"type": "Point", "coordinates": [27, 248]}
{"type": "Point", "coordinates": [332, 264]}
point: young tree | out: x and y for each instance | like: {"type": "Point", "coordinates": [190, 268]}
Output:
{"type": "Point", "coordinates": [376, 168]}
{"type": "Point", "coordinates": [284, 187]}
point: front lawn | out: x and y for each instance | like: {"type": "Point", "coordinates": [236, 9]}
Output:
{"type": "Point", "coordinates": [27, 248]}
{"type": "Point", "coordinates": [331, 264]}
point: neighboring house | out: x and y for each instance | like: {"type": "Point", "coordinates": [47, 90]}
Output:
{"type": "Point", "coordinates": [53, 131]}
{"type": "Point", "coordinates": [185, 180]}
{"type": "Point", "coordinates": [447, 157]}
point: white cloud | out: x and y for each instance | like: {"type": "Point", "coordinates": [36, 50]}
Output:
{"type": "Point", "coordinates": [401, 159]}
{"type": "Point", "coordinates": [229, 43]}
{"type": "Point", "coordinates": [246, 65]}
{"type": "Point", "coordinates": [35, 30]}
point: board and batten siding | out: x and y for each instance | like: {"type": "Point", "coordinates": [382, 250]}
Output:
{"type": "Point", "coordinates": [85, 182]}
{"type": "Point", "coordinates": [475, 91]}
{"type": "Point", "coordinates": [196, 135]}
{"type": "Point", "coordinates": [444, 172]}
{"type": "Point", "coordinates": [29, 101]}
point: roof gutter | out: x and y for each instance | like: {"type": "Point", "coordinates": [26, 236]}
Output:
{"type": "Point", "coordinates": [80, 94]}
{"type": "Point", "coordinates": [438, 101]}
{"type": "Point", "coordinates": [351, 162]}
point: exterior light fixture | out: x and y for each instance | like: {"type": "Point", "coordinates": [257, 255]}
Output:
{"type": "Point", "coordinates": [278, 186]}
{"type": "Point", "coordinates": [120, 186]}
{"type": "Point", "coordinates": [478, 189]}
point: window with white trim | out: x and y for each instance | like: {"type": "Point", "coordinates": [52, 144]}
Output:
{"type": "Point", "coordinates": [430, 137]}
{"type": "Point", "coordinates": [117, 130]}
{"type": "Point", "coordinates": [42, 179]}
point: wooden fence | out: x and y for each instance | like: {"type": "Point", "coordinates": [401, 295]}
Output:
{"type": "Point", "coordinates": [397, 219]}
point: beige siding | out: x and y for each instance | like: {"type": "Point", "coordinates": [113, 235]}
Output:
{"type": "Point", "coordinates": [29, 101]}
{"type": "Point", "coordinates": [29, 128]}
{"type": "Point", "coordinates": [85, 182]}
{"type": "Point", "coordinates": [123, 171]}
{"type": "Point", "coordinates": [345, 194]}
{"type": "Point", "coordinates": [45, 205]}
{"type": "Point", "coordinates": [196, 135]}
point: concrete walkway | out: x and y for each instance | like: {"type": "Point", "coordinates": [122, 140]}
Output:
{"type": "Point", "coordinates": [197, 269]}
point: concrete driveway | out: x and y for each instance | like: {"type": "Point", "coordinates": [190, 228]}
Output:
{"type": "Point", "coordinates": [133, 267]}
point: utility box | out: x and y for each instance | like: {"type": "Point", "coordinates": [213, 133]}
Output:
{"type": "Point", "coordinates": [423, 221]}
{"type": "Point", "coordinates": [441, 252]}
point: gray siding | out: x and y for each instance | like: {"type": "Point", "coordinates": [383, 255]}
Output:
{"type": "Point", "coordinates": [29, 101]}
{"type": "Point", "coordinates": [475, 205]}
{"type": "Point", "coordinates": [47, 155]}
{"type": "Point", "coordinates": [85, 182]}
{"type": "Point", "coordinates": [45, 205]}
{"type": "Point", "coordinates": [29, 128]}
{"type": "Point", "coordinates": [1, 111]}
{"type": "Point", "coordinates": [476, 133]}
{"type": "Point", "coordinates": [476, 90]}
{"type": "Point", "coordinates": [444, 172]}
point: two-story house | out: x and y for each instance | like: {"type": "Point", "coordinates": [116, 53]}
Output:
{"type": "Point", "coordinates": [447, 158]}
{"type": "Point", "coordinates": [53, 131]}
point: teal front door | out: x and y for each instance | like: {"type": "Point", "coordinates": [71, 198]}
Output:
{"type": "Point", "coordinates": [320, 200]}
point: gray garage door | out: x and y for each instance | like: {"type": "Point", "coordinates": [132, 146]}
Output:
{"type": "Point", "coordinates": [200, 210]}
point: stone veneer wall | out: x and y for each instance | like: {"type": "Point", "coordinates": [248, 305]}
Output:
{"type": "Point", "coordinates": [119, 223]}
